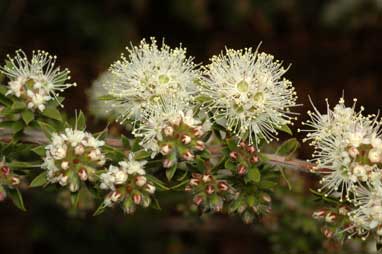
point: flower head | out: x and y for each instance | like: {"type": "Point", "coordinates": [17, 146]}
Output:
{"type": "Point", "coordinates": [73, 156]}
{"type": "Point", "coordinates": [247, 94]}
{"type": "Point", "coordinates": [35, 81]}
{"type": "Point", "coordinates": [99, 108]}
{"type": "Point", "coordinates": [149, 73]}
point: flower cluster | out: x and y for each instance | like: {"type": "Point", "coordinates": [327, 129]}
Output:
{"type": "Point", "coordinates": [99, 108]}
{"type": "Point", "coordinates": [128, 185]}
{"type": "Point", "coordinates": [7, 180]}
{"type": "Point", "coordinates": [348, 155]}
{"type": "Point", "coordinates": [209, 192]}
{"type": "Point", "coordinates": [242, 158]}
{"type": "Point", "coordinates": [73, 157]}
{"type": "Point", "coordinates": [35, 81]}
{"type": "Point", "coordinates": [148, 74]}
{"type": "Point", "coordinates": [166, 129]}
{"type": "Point", "coordinates": [247, 94]}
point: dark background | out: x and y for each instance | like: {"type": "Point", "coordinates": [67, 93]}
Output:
{"type": "Point", "coordinates": [333, 46]}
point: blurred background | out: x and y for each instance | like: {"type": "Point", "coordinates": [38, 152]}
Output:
{"type": "Point", "coordinates": [334, 46]}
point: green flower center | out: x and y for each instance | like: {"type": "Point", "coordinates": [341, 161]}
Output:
{"type": "Point", "coordinates": [163, 79]}
{"type": "Point", "coordinates": [242, 86]}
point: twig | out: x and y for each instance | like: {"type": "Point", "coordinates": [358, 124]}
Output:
{"type": "Point", "coordinates": [37, 137]}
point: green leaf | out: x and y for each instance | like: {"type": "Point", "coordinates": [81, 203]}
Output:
{"type": "Point", "coordinates": [75, 198]}
{"type": "Point", "coordinates": [288, 148]}
{"type": "Point", "coordinates": [4, 89]}
{"type": "Point", "coordinates": [24, 164]}
{"type": "Point", "coordinates": [253, 175]}
{"type": "Point", "coordinates": [17, 198]}
{"type": "Point", "coordinates": [286, 129]}
{"type": "Point", "coordinates": [158, 183]}
{"type": "Point", "coordinates": [106, 98]}
{"type": "Point", "coordinates": [46, 128]}
{"type": "Point", "coordinates": [141, 154]}
{"type": "Point", "coordinates": [5, 101]}
{"type": "Point", "coordinates": [39, 180]}
{"type": "Point", "coordinates": [81, 121]}
{"type": "Point", "coordinates": [18, 106]}
{"type": "Point", "coordinates": [27, 116]}
{"type": "Point", "coordinates": [100, 209]}
{"type": "Point", "coordinates": [125, 142]}
{"type": "Point", "coordinates": [17, 126]}
{"type": "Point", "coordinates": [39, 150]}
{"type": "Point", "coordinates": [229, 165]}
{"type": "Point", "coordinates": [170, 172]}
{"type": "Point", "coordinates": [52, 113]}
{"type": "Point", "coordinates": [232, 145]}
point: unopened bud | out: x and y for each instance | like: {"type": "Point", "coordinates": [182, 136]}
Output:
{"type": "Point", "coordinates": [330, 217]}
{"type": "Point", "coordinates": [198, 200]}
{"type": "Point", "coordinates": [194, 182]}
{"type": "Point", "coordinates": [150, 188]}
{"type": "Point", "coordinates": [243, 145]}
{"type": "Point", "coordinates": [63, 180]}
{"type": "Point", "coordinates": [166, 149]}
{"type": "Point", "coordinates": [65, 165]}
{"type": "Point", "coordinates": [200, 145]}
{"type": "Point", "coordinates": [101, 162]}
{"type": "Point", "coordinates": [233, 155]}
{"type": "Point", "coordinates": [140, 181]}
{"type": "Point", "coordinates": [343, 210]}
{"type": "Point", "coordinates": [320, 214]}
{"type": "Point", "coordinates": [197, 131]}
{"type": "Point", "coordinates": [74, 186]}
{"type": "Point", "coordinates": [241, 170]}
{"type": "Point", "coordinates": [207, 178]}
{"type": "Point", "coordinates": [266, 198]}
{"type": "Point", "coordinates": [251, 149]}
{"type": "Point", "coordinates": [353, 151]}
{"type": "Point", "coordinates": [137, 198]}
{"type": "Point", "coordinates": [79, 150]}
{"type": "Point", "coordinates": [168, 163]}
{"type": "Point", "coordinates": [83, 174]}
{"type": "Point", "coordinates": [327, 233]}
{"type": "Point", "coordinates": [186, 139]}
{"type": "Point", "coordinates": [188, 156]}
{"type": "Point", "coordinates": [254, 159]}
{"type": "Point", "coordinates": [188, 188]}
{"type": "Point", "coordinates": [5, 170]}
{"type": "Point", "coordinates": [146, 201]}
{"type": "Point", "coordinates": [168, 131]}
{"type": "Point", "coordinates": [210, 189]}
{"type": "Point", "coordinates": [223, 186]}
{"type": "Point", "coordinates": [115, 196]}
{"type": "Point", "coordinates": [15, 180]}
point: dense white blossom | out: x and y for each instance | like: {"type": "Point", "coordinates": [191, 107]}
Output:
{"type": "Point", "coordinates": [247, 94]}
{"type": "Point", "coordinates": [36, 81]}
{"type": "Point", "coordinates": [100, 108]}
{"type": "Point", "coordinates": [149, 73]}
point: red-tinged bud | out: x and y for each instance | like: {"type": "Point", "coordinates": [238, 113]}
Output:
{"type": "Point", "coordinates": [140, 180]}
{"type": "Point", "coordinates": [327, 233]}
{"type": "Point", "coordinates": [210, 189]}
{"type": "Point", "coordinates": [137, 198]}
{"type": "Point", "coordinates": [200, 145]}
{"type": "Point", "coordinates": [251, 149]}
{"type": "Point", "coordinates": [194, 182]}
{"type": "Point", "coordinates": [223, 186]}
{"type": "Point", "coordinates": [196, 175]}
{"type": "Point", "coordinates": [83, 174]}
{"type": "Point", "coordinates": [343, 210]}
{"type": "Point", "coordinates": [198, 200]}
{"type": "Point", "coordinates": [76, 161]}
{"type": "Point", "coordinates": [168, 131]}
{"type": "Point", "coordinates": [15, 180]}
{"type": "Point", "coordinates": [320, 214]}
{"type": "Point", "coordinates": [197, 131]}
{"type": "Point", "coordinates": [207, 178]}
{"type": "Point", "coordinates": [186, 139]}
{"type": "Point", "coordinates": [233, 155]}
{"type": "Point", "coordinates": [5, 170]}
{"type": "Point", "coordinates": [254, 159]}
{"type": "Point", "coordinates": [168, 163]}
{"type": "Point", "coordinates": [241, 170]}
{"type": "Point", "coordinates": [166, 149]}
{"type": "Point", "coordinates": [188, 188]}
{"type": "Point", "coordinates": [243, 145]}
{"type": "Point", "coordinates": [188, 156]}
{"type": "Point", "coordinates": [115, 196]}
{"type": "Point", "coordinates": [330, 217]}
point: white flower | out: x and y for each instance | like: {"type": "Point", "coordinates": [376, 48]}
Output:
{"type": "Point", "coordinates": [149, 73]}
{"type": "Point", "coordinates": [99, 108]}
{"type": "Point", "coordinates": [37, 80]}
{"type": "Point", "coordinates": [120, 177]}
{"type": "Point", "coordinates": [133, 167]}
{"type": "Point", "coordinates": [248, 95]}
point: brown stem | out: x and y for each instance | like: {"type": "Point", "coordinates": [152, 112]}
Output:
{"type": "Point", "coordinates": [37, 137]}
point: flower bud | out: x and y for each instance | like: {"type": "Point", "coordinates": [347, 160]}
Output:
{"type": "Point", "coordinates": [353, 151]}
{"type": "Point", "coordinates": [233, 155]}
{"type": "Point", "coordinates": [137, 198]}
{"type": "Point", "coordinates": [5, 170]}
{"type": "Point", "coordinates": [330, 217]}
{"type": "Point", "coordinates": [120, 177]}
{"type": "Point", "coordinates": [207, 178]}
{"type": "Point", "coordinates": [74, 186]}
{"type": "Point", "coordinates": [79, 150]}
{"type": "Point", "coordinates": [223, 186]}
{"type": "Point", "coordinates": [194, 182]}
{"type": "Point", "coordinates": [140, 181]}
{"type": "Point", "coordinates": [248, 217]}
{"type": "Point", "coordinates": [241, 170]}
{"type": "Point", "coordinates": [63, 180]}
{"type": "Point", "coordinates": [65, 165]}
{"type": "Point", "coordinates": [243, 145]}
{"type": "Point", "coordinates": [196, 175]}
{"type": "Point", "coordinates": [320, 214]}
{"type": "Point", "coordinates": [83, 174]}
{"type": "Point", "coordinates": [266, 198]}
{"type": "Point", "coordinates": [188, 188]}
{"type": "Point", "coordinates": [15, 180]}
{"type": "Point", "coordinates": [210, 189]}
{"type": "Point", "coordinates": [198, 200]}
{"type": "Point", "coordinates": [343, 210]}
{"type": "Point", "coordinates": [251, 149]}
{"type": "Point", "coordinates": [115, 196]}
{"type": "Point", "coordinates": [101, 162]}
{"type": "Point", "coordinates": [186, 139]}
{"type": "Point", "coordinates": [375, 155]}
{"type": "Point", "coordinates": [200, 145]}
{"type": "Point", "coordinates": [146, 201]}
{"type": "Point", "coordinates": [128, 206]}
{"type": "Point", "coordinates": [166, 149]}
{"type": "Point", "coordinates": [168, 163]}
{"type": "Point", "coordinates": [254, 159]}
{"type": "Point", "coordinates": [188, 156]}
{"type": "Point", "coordinates": [197, 131]}
{"type": "Point", "coordinates": [150, 188]}
{"type": "Point", "coordinates": [168, 131]}
{"type": "Point", "coordinates": [327, 233]}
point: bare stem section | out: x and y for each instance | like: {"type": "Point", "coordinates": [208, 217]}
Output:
{"type": "Point", "coordinates": [37, 137]}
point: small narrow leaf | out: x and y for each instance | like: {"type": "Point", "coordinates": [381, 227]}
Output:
{"type": "Point", "coordinates": [39, 150]}
{"type": "Point", "coordinates": [39, 180]}
{"type": "Point", "coordinates": [100, 209]}
{"type": "Point", "coordinates": [17, 198]}
{"type": "Point", "coordinates": [46, 128]}
{"type": "Point", "coordinates": [286, 129]}
{"type": "Point", "coordinates": [288, 148]}
{"type": "Point", "coordinates": [81, 121]}
{"type": "Point", "coordinates": [170, 172]}
{"type": "Point", "coordinates": [52, 113]}
{"type": "Point", "coordinates": [18, 106]}
{"type": "Point", "coordinates": [17, 126]}
{"type": "Point", "coordinates": [27, 116]}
